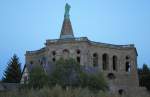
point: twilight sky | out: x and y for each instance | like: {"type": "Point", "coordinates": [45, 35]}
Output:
{"type": "Point", "coordinates": [26, 24]}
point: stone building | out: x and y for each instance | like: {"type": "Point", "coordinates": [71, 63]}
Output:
{"type": "Point", "coordinates": [117, 62]}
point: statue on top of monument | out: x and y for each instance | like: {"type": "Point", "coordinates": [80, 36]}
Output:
{"type": "Point", "coordinates": [67, 9]}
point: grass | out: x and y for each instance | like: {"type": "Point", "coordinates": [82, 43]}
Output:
{"type": "Point", "coordinates": [57, 91]}
{"type": "Point", "coordinates": [54, 92]}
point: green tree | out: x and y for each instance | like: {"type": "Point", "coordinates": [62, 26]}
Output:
{"type": "Point", "coordinates": [144, 76]}
{"type": "Point", "coordinates": [38, 78]}
{"type": "Point", "coordinates": [94, 81]}
{"type": "Point", "coordinates": [66, 73]}
{"type": "Point", "coordinates": [12, 74]}
{"type": "Point", "coordinates": [70, 73]}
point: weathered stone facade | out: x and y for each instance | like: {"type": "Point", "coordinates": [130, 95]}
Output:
{"type": "Point", "coordinates": [117, 62]}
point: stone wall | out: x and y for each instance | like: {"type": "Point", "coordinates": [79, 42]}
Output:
{"type": "Point", "coordinates": [84, 51]}
{"type": "Point", "coordinates": [9, 86]}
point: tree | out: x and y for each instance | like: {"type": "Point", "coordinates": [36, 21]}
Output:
{"type": "Point", "coordinates": [93, 81]}
{"type": "Point", "coordinates": [12, 74]}
{"type": "Point", "coordinates": [68, 73]}
{"type": "Point", "coordinates": [38, 78]}
{"type": "Point", "coordinates": [144, 76]}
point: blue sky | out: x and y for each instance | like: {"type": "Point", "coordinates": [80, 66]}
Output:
{"type": "Point", "coordinates": [26, 24]}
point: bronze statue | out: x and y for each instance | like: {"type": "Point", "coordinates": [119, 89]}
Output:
{"type": "Point", "coordinates": [67, 9]}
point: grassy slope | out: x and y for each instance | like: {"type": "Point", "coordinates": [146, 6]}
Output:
{"type": "Point", "coordinates": [55, 92]}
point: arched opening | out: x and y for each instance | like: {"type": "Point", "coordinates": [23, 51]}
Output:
{"type": "Point", "coordinates": [105, 61]}
{"type": "Point", "coordinates": [54, 59]}
{"type": "Point", "coordinates": [78, 59]}
{"type": "Point", "coordinates": [53, 53]}
{"type": "Point", "coordinates": [111, 76]}
{"type": "Point", "coordinates": [127, 67]}
{"type": "Point", "coordinates": [78, 51]}
{"type": "Point", "coordinates": [95, 59]}
{"type": "Point", "coordinates": [127, 57]}
{"type": "Point", "coordinates": [121, 92]}
{"type": "Point", "coordinates": [115, 63]}
{"type": "Point", "coordinates": [31, 62]}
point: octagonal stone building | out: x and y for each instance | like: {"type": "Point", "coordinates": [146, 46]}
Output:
{"type": "Point", "coordinates": [117, 62]}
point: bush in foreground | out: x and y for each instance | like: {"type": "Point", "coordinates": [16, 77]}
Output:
{"type": "Point", "coordinates": [66, 73]}
{"type": "Point", "coordinates": [38, 78]}
{"type": "Point", "coordinates": [56, 91]}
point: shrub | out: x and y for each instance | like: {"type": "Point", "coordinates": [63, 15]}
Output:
{"type": "Point", "coordinates": [38, 78]}
{"type": "Point", "coordinates": [56, 91]}
{"type": "Point", "coordinates": [68, 73]}
{"type": "Point", "coordinates": [93, 81]}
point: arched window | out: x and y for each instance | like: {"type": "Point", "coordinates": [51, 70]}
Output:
{"type": "Point", "coordinates": [105, 61]}
{"type": "Point", "coordinates": [31, 62]}
{"type": "Point", "coordinates": [127, 64]}
{"type": "Point", "coordinates": [78, 51]}
{"type": "Point", "coordinates": [78, 59]}
{"type": "Point", "coordinates": [53, 59]}
{"type": "Point", "coordinates": [121, 92]}
{"type": "Point", "coordinates": [115, 63]}
{"type": "Point", "coordinates": [95, 59]}
{"type": "Point", "coordinates": [111, 76]}
{"type": "Point", "coordinates": [127, 57]}
{"type": "Point", "coordinates": [53, 53]}
{"type": "Point", "coordinates": [127, 68]}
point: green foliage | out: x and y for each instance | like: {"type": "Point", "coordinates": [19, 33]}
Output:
{"type": "Point", "coordinates": [38, 78]}
{"type": "Point", "coordinates": [12, 73]}
{"type": "Point", "coordinates": [94, 81]}
{"type": "Point", "coordinates": [56, 91]}
{"type": "Point", "coordinates": [68, 73]}
{"type": "Point", "coordinates": [144, 76]}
